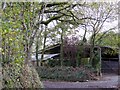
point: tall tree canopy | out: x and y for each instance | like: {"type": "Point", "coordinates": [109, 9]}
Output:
{"type": "Point", "coordinates": [27, 23]}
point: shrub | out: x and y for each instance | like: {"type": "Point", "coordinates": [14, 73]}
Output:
{"type": "Point", "coordinates": [84, 61]}
{"type": "Point", "coordinates": [17, 76]}
{"type": "Point", "coordinates": [56, 62]}
{"type": "Point", "coordinates": [66, 73]}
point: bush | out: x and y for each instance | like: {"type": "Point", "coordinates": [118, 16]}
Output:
{"type": "Point", "coordinates": [66, 73]}
{"type": "Point", "coordinates": [17, 76]}
{"type": "Point", "coordinates": [54, 62]}
{"type": "Point", "coordinates": [85, 61]}
{"type": "Point", "coordinates": [67, 62]}
{"type": "Point", "coordinates": [57, 62]}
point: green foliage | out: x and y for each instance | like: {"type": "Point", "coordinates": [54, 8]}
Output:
{"type": "Point", "coordinates": [109, 39]}
{"type": "Point", "coordinates": [17, 76]}
{"type": "Point", "coordinates": [85, 61]}
{"type": "Point", "coordinates": [12, 47]}
{"type": "Point", "coordinates": [53, 63]}
{"type": "Point", "coordinates": [95, 5]}
{"type": "Point", "coordinates": [96, 61]}
{"type": "Point", "coordinates": [66, 73]}
{"type": "Point", "coordinates": [18, 19]}
{"type": "Point", "coordinates": [56, 62]}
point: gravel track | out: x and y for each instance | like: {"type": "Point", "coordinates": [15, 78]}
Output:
{"type": "Point", "coordinates": [107, 81]}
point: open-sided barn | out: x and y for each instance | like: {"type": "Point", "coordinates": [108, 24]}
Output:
{"type": "Point", "coordinates": [109, 56]}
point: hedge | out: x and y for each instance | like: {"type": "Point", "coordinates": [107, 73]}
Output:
{"type": "Point", "coordinates": [66, 73]}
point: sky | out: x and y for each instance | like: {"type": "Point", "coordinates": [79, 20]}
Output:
{"type": "Point", "coordinates": [106, 27]}
{"type": "Point", "coordinates": [110, 25]}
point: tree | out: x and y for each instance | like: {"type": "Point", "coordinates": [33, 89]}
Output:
{"type": "Point", "coordinates": [71, 49]}
{"type": "Point", "coordinates": [25, 17]}
{"type": "Point", "coordinates": [12, 48]}
{"type": "Point", "coordinates": [104, 39]}
{"type": "Point", "coordinates": [63, 13]}
{"type": "Point", "coordinates": [18, 33]}
{"type": "Point", "coordinates": [101, 12]}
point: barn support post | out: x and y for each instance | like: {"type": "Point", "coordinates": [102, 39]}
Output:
{"type": "Point", "coordinates": [100, 61]}
{"type": "Point", "coordinates": [119, 37]}
{"type": "Point", "coordinates": [119, 63]}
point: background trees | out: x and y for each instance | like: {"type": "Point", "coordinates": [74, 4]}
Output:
{"type": "Point", "coordinates": [108, 39]}
{"type": "Point", "coordinates": [29, 25]}
{"type": "Point", "coordinates": [101, 13]}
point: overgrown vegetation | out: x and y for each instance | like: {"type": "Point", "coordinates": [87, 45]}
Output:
{"type": "Point", "coordinates": [67, 62]}
{"type": "Point", "coordinates": [66, 73]}
{"type": "Point", "coordinates": [28, 26]}
{"type": "Point", "coordinates": [17, 76]}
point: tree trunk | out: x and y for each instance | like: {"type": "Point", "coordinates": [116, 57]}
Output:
{"type": "Point", "coordinates": [119, 62]}
{"type": "Point", "coordinates": [37, 52]}
{"type": "Point", "coordinates": [92, 48]}
{"type": "Point", "coordinates": [79, 53]}
{"type": "Point", "coordinates": [27, 54]}
{"type": "Point", "coordinates": [3, 47]}
{"type": "Point", "coordinates": [80, 49]}
{"type": "Point", "coordinates": [61, 51]}
{"type": "Point", "coordinates": [61, 47]}
{"type": "Point", "coordinates": [8, 55]}
{"type": "Point", "coordinates": [100, 62]}
{"type": "Point", "coordinates": [45, 37]}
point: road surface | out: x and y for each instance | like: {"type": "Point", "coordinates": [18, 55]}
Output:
{"type": "Point", "coordinates": [107, 81]}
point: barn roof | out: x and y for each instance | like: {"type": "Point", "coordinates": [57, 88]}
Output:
{"type": "Point", "coordinates": [107, 51]}
{"type": "Point", "coordinates": [46, 56]}
{"type": "Point", "coordinates": [85, 46]}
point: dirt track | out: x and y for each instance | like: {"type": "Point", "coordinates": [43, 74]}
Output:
{"type": "Point", "coordinates": [107, 81]}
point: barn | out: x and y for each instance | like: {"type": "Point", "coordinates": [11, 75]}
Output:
{"type": "Point", "coordinates": [109, 56]}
